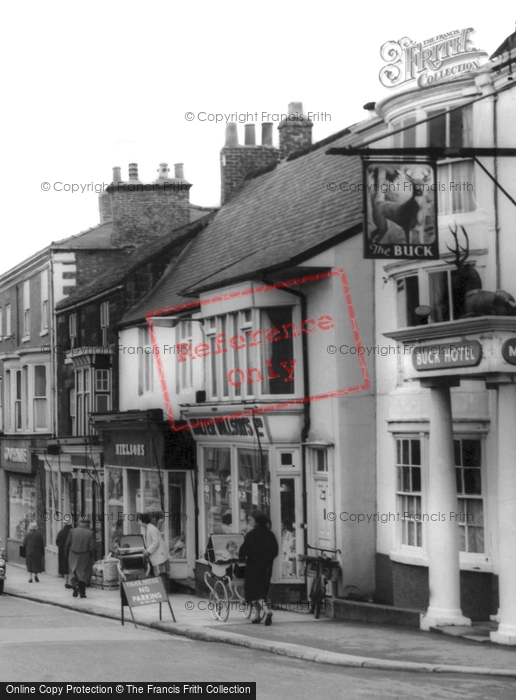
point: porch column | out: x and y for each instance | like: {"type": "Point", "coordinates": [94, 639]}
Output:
{"type": "Point", "coordinates": [443, 534]}
{"type": "Point", "coordinates": [506, 633]}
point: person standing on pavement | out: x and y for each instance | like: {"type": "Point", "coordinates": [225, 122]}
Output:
{"type": "Point", "coordinates": [155, 548]}
{"type": "Point", "coordinates": [61, 539]}
{"type": "Point", "coordinates": [80, 551]}
{"type": "Point", "coordinates": [34, 551]}
{"type": "Point", "coordinates": [259, 550]}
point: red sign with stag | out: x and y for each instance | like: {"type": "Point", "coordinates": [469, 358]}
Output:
{"type": "Point", "coordinates": [400, 210]}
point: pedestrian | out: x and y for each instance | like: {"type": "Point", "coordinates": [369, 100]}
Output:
{"type": "Point", "coordinates": [80, 551]}
{"type": "Point", "coordinates": [62, 562]}
{"type": "Point", "coordinates": [155, 548]}
{"type": "Point", "coordinates": [34, 551]}
{"type": "Point", "coordinates": [259, 550]}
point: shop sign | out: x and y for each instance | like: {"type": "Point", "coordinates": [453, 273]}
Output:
{"type": "Point", "coordinates": [125, 449]}
{"type": "Point", "coordinates": [467, 353]}
{"type": "Point", "coordinates": [16, 456]}
{"type": "Point", "coordinates": [509, 351]}
{"type": "Point", "coordinates": [400, 206]}
{"type": "Point", "coordinates": [227, 427]}
{"type": "Point", "coordinates": [435, 60]}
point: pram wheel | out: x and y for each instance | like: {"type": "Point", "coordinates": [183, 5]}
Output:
{"type": "Point", "coordinates": [219, 602]}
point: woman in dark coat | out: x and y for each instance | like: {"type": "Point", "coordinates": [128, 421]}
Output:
{"type": "Point", "coordinates": [61, 538]}
{"type": "Point", "coordinates": [259, 550]}
{"type": "Point", "coordinates": [34, 551]}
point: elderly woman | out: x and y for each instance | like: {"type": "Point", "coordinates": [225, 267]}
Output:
{"type": "Point", "coordinates": [155, 548]}
{"type": "Point", "coordinates": [259, 550]}
{"type": "Point", "coordinates": [34, 552]}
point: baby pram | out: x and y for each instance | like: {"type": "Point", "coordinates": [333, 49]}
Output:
{"type": "Point", "coordinates": [132, 563]}
{"type": "Point", "coordinates": [225, 577]}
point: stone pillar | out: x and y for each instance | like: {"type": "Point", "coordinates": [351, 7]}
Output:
{"type": "Point", "coordinates": [443, 533]}
{"type": "Point", "coordinates": [506, 633]}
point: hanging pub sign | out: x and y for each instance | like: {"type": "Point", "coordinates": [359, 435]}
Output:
{"type": "Point", "coordinates": [400, 208]}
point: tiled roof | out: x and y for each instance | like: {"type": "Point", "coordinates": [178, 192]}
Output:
{"type": "Point", "coordinates": [143, 254]}
{"type": "Point", "coordinates": [274, 219]}
{"type": "Point", "coordinates": [100, 236]}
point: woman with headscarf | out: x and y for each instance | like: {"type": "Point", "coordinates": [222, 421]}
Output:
{"type": "Point", "coordinates": [259, 550]}
{"type": "Point", "coordinates": [34, 552]}
{"type": "Point", "coordinates": [155, 548]}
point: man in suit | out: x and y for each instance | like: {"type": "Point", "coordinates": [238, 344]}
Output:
{"type": "Point", "coordinates": [80, 550]}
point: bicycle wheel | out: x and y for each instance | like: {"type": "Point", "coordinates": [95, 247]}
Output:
{"type": "Point", "coordinates": [220, 599]}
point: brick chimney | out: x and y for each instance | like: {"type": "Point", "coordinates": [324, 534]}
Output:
{"type": "Point", "coordinates": [237, 161]}
{"type": "Point", "coordinates": [295, 132]}
{"type": "Point", "coordinates": [145, 211]}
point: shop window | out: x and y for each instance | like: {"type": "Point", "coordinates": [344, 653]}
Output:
{"type": "Point", "coordinates": [44, 301]}
{"type": "Point", "coordinates": [456, 177]}
{"type": "Point", "coordinates": [217, 490]}
{"type": "Point", "coordinates": [177, 514]}
{"type": "Point", "coordinates": [470, 517]}
{"type": "Point", "coordinates": [26, 310]}
{"type": "Point", "coordinates": [408, 466]}
{"type": "Point", "coordinates": [104, 323]}
{"type": "Point", "coordinates": [152, 490]}
{"type": "Point", "coordinates": [115, 506]}
{"type": "Point", "coordinates": [40, 398]}
{"type": "Point", "coordinates": [289, 561]}
{"type": "Point", "coordinates": [253, 484]}
{"type": "Point", "coordinates": [22, 505]}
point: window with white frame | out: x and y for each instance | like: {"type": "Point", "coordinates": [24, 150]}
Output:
{"type": "Point", "coordinates": [408, 467]}
{"type": "Point", "coordinates": [252, 353]}
{"type": "Point", "coordinates": [452, 128]}
{"type": "Point", "coordinates": [470, 518]}
{"type": "Point", "coordinates": [26, 309]}
{"type": "Point", "coordinates": [40, 398]}
{"type": "Point", "coordinates": [145, 361]}
{"type": "Point", "coordinates": [82, 401]}
{"type": "Point", "coordinates": [18, 398]}
{"type": "Point", "coordinates": [71, 400]}
{"type": "Point", "coordinates": [429, 287]}
{"type": "Point", "coordinates": [407, 137]}
{"type": "Point", "coordinates": [104, 323]}
{"type": "Point", "coordinates": [102, 390]}
{"type": "Point", "coordinates": [72, 330]}
{"type": "Point", "coordinates": [7, 400]}
{"type": "Point", "coordinates": [7, 320]}
{"type": "Point", "coordinates": [44, 301]}
{"type": "Point", "coordinates": [184, 375]}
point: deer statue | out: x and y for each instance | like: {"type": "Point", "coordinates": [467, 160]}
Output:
{"type": "Point", "coordinates": [408, 214]}
{"type": "Point", "coordinates": [469, 299]}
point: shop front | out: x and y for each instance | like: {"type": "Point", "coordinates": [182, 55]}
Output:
{"type": "Point", "coordinates": [148, 469]}
{"type": "Point", "coordinates": [22, 493]}
{"type": "Point", "coordinates": [249, 462]}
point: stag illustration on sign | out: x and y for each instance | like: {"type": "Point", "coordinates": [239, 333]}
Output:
{"type": "Point", "coordinates": [469, 299]}
{"type": "Point", "coordinates": [398, 203]}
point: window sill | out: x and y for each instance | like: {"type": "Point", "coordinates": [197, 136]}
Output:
{"type": "Point", "coordinates": [478, 562]}
{"type": "Point", "coordinates": [412, 557]}
{"type": "Point", "coordinates": [43, 333]}
{"type": "Point", "coordinates": [25, 339]}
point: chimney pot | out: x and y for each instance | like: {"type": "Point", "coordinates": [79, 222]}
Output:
{"type": "Point", "coordinates": [117, 174]}
{"type": "Point", "coordinates": [231, 135]}
{"type": "Point", "coordinates": [163, 171]}
{"type": "Point", "coordinates": [267, 133]}
{"type": "Point", "coordinates": [295, 108]}
{"type": "Point", "coordinates": [250, 135]}
{"type": "Point", "coordinates": [179, 172]}
{"type": "Point", "coordinates": [133, 171]}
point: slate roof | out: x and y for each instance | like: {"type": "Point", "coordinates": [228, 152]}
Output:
{"type": "Point", "coordinates": [97, 237]}
{"type": "Point", "coordinates": [275, 219]}
{"type": "Point", "coordinates": [508, 45]}
{"type": "Point", "coordinates": [143, 254]}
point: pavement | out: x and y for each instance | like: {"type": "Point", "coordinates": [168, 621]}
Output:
{"type": "Point", "coordinates": [293, 633]}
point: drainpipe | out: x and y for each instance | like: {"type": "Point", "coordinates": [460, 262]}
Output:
{"type": "Point", "coordinates": [497, 221]}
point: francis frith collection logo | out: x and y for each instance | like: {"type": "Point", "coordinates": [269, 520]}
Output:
{"type": "Point", "coordinates": [434, 60]}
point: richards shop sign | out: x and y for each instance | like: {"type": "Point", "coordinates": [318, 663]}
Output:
{"type": "Point", "coordinates": [435, 60]}
{"type": "Point", "coordinates": [446, 355]}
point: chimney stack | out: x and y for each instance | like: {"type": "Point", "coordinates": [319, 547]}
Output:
{"type": "Point", "coordinates": [250, 135]}
{"type": "Point", "coordinates": [267, 134]}
{"type": "Point", "coordinates": [295, 131]}
{"type": "Point", "coordinates": [179, 172]}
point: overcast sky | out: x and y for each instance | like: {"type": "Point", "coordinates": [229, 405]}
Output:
{"type": "Point", "coordinates": [90, 85]}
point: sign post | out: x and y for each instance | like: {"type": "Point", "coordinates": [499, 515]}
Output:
{"type": "Point", "coordinates": [144, 591]}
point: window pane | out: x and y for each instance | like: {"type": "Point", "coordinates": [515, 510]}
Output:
{"type": "Point", "coordinates": [217, 489]}
{"type": "Point", "coordinates": [416, 452]}
{"type": "Point", "coordinates": [22, 505]}
{"type": "Point", "coordinates": [176, 517]}
{"type": "Point", "coordinates": [416, 479]}
{"type": "Point", "coordinates": [405, 457]}
{"type": "Point", "coordinates": [471, 453]}
{"type": "Point", "coordinates": [253, 483]}
{"type": "Point", "coordinates": [439, 296]}
{"type": "Point", "coordinates": [40, 381]}
{"type": "Point", "coordinates": [406, 479]}
{"type": "Point", "coordinates": [279, 351]}
{"type": "Point", "coordinates": [472, 481]}
{"type": "Point", "coordinates": [289, 562]}
{"type": "Point", "coordinates": [456, 129]}
{"type": "Point", "coordinates": [437, 129]}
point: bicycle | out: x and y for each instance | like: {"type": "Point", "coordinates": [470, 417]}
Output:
{"type": "Point", "coordinates": [322, 569]}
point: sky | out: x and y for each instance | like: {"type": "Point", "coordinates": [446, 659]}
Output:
{"type": "Point", "coordinates": [92, 85]}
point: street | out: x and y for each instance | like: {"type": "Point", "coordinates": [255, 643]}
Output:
{"type": "Point", "coordinates": [45, 643]}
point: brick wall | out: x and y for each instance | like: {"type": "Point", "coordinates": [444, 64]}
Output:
{"type": "Point", "coordinates": [238, 161]}
{"type": "Point", "coordinates": [294, 136]}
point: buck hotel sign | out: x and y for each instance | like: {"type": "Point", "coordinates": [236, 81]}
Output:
{"type": "Point", "coordinates": [434, 60]}
{"type": "Point", "coordinates": [446, 355]}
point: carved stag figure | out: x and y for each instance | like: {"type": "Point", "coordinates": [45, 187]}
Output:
{"type": "Point", "coordinates": [469, 299]}
{"type": "Point", "coordinates": [408, 214]}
